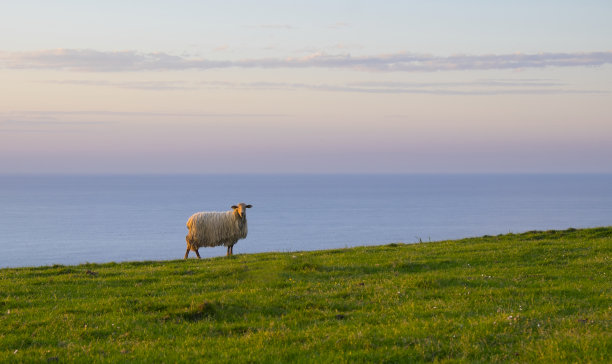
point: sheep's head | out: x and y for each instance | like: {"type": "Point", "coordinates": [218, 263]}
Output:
{"type": "Point", "coordinates": [240, 209]}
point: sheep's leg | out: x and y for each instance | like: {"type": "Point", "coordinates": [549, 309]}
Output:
{"type": "Point", "coordinates": [228, 251]}
{"type": "Point", "coordinates": [232, 249]}
{"type": "Point", "coordinates": [197, 253]}
{"type": "Point", "coordinates": [188, 246]}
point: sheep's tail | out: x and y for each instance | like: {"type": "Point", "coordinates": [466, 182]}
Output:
{"type": "Point", "coordinates": [190, 222]}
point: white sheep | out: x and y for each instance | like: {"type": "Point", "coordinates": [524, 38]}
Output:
{"type": "Point", "coordinates": [217, 228]}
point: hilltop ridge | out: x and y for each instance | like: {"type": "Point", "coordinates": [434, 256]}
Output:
{"type": "Point", "coordinates": [515, 297]}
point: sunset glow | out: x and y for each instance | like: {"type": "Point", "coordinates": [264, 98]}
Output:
{"type": "Point", "coordinates": [274, 87]}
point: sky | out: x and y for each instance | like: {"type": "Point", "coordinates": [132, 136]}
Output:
{"type": "Point", "coordinates": [94, 87]}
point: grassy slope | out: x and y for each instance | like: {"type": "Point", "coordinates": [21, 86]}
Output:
{"type": "Point", "coordinates": [525, 297]}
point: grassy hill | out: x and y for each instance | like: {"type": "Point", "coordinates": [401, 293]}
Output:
{"type": "Point", "coordinates": [516, 297]}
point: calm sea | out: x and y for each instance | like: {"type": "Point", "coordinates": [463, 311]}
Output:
{"type": "Point", "coordinates": [77, 219]}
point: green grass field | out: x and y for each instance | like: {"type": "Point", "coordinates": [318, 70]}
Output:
{"type": "Point", "coordinates": [537, 296]}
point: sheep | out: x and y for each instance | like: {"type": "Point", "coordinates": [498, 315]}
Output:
{"type": "Point", "coordinates": [216, 229]}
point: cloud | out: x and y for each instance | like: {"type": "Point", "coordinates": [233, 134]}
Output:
{"type": "Point", "coordinates": [58, 121]}
{"type": "Point", "coordinates": [41, 122]}
{"type": "Point", "coordinates": [478, 87]}
{"type": "Point", "coordinates": [491, 87]}
{"type": "Point", "coordinates": [530, 82]}
{"type": "Point", "coordinates": [138, 85]}
{"type": "Point", "coordinates": [338, 25]}
{"type": "Point", "coordinates": [221, 48]}
{"type": "Point", "coordinates": [273, 26]}
{"type": "Point", "coordinates": [123, 61]}
{"type": "Point", "coordinates": [55, 115]}
{"type": "Point", "coordinates": [97, 61]}
{"type": "Point", "coordinates": [408, 62]}
{"type": "Point", "coordinates": [346, 46]}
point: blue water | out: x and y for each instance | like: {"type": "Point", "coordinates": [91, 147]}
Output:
{"type": "Point", "coordinates": [76, 219]}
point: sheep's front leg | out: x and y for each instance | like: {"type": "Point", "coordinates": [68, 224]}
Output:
{"type": "Point", "coordinates": [187, 252]}
{"type": "Point", "coordinates": [232, 249]}
{"type": "Point", "coordinates": [228, 251]}
{"type": "Point", "coordinates": [197, 253]}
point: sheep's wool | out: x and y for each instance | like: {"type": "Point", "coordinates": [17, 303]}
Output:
{"type": "Point", "coordinates": [207, 229]}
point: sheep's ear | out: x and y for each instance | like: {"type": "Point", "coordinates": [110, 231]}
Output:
{"type": "Point", "coordinates": [234, 207]}
{"type": "Point", "coordinates": [248, 206]}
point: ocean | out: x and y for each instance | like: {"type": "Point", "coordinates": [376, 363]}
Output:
{"type": "Point", "coordinates": [56, 219]}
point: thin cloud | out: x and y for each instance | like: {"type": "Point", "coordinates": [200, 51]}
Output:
{"type": "Point", "coordinates": [344, 46]}
{"type": "Point", "coordinates": [55, 114]}
{"type": "Point", "coordinates": [478, 87]}
{"type": "Point", "coordinates": [221, 48]}
{"type": "Point", "coordinates": [123, 61]}
{"type": "Point", "coordinates": [58, 121]}
{"type": "Point", "coordinates": [89, 60]}
{"type": "Point", "coordinates": [26, 118]}
{"type": "Point", "coordinates": [137, 85]}
{"type": "Point", "coordinates": [273, 26]}
{"type": "Point", "coordinates": [338, 25]}
{"type": "Point", "coordinates": [39, 122]}
{"type": "Point", "coordinates": [477, 83]}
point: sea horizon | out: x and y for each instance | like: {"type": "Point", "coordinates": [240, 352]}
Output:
{"type": "Point", "coordinates": [153, 174]}
{"type": "Point", "coordinates": [72, 219]}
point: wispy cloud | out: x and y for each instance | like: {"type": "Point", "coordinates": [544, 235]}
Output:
{"type": "Point", "coordinates": [55, 116]}
{"type": "Point", "coordinates": [338, 25]}
{"type": "Point", "coordinates": [482, 87]}
{"type": "Point", "coordinates": [526, 82]}
{"type": "Point", "coordinates": [344, 46]}
{"type": "Point", "coordinates": [41, 122]}
{"type": "Point", "coordinates": [138, 85]}
{"type": "Point", "coordinates": [221, 48]}
{"type": "Point", "coordinates": [97, 61]}
{"type": "Point", "coordinates": [477, 87]}
{"type": "Point", "coordinates": [121, 61]}
{"type": "Point", "coordinates": [273, 26]}
{"type": "Point", "coordinates": [58, 121]}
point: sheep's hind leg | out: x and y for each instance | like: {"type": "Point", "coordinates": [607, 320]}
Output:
{"type": "Point", "coordinates": [228, 251]}
{"type": "Point", "coordinates": [197, 253]}
{"type": "Point", "coordinates": [187, 252]}
{"type": "Point", "coordinates": [232, 249]}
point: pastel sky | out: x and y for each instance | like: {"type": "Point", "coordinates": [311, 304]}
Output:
{"type": "Point", "coordinates": [305, 87]}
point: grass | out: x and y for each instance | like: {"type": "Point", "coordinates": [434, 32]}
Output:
{"type": "Point", "coordinates": [537, 296]}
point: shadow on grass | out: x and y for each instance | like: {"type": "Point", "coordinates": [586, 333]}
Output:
{"type": "Point", "coordinates": [594, 233]}
{"type": "Point", "coordinates": [200, 311]}
{"type": "Point", "coordinates": [394, 267]}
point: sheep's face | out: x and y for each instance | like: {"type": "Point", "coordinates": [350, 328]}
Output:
{"type": "Point", "coordinates": [240, 209]}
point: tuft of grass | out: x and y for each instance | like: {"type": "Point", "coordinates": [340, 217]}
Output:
{"type": "Point", "coordinates": [302, 264]}
{"type": "Point", "coordinates": [530, 297]}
